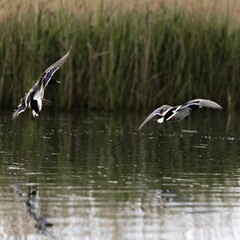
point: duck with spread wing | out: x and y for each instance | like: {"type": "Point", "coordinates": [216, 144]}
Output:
{"type": "Point", "coordinates": [34, 99]}
{"type": "Point", "coordinates": [178, 113]}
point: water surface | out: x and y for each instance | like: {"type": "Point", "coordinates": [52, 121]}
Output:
{"type": "Point", "coordinates": [94, 176]}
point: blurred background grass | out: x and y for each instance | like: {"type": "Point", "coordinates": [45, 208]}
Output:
{"type": "Point", "coordinates": [127, 55]}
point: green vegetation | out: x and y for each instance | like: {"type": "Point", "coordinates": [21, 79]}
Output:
{"type": "Point", "coordinates": [122, 60]}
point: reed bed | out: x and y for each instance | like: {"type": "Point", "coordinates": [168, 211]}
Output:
{"type": "Point", "coordinates": [121, 60]}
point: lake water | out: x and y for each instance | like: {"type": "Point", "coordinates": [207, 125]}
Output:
{"type": "Point", "coordinates": [94, 176]}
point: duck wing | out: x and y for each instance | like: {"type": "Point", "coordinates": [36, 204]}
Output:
{"type": "Point", "coordinates": [150, 116]}
{"type": "Point", "coordinates": [20, 108]}
{"type": "Point", "coordinates": [200, 103]}
{"type": "Point", "coordinates": [48, 73]}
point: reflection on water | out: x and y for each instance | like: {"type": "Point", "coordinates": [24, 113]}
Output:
{"type": "Point", "coordinates": [31, 203]}
{"type": "Point", "coordinates": [94, 176]}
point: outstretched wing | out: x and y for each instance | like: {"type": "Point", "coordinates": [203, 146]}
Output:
{"type": "Point", "coordinates": [47, 75]}
{"type": "Point", "coordinates": [150, 116]}
{"type": "Point", "coordinates": [200, 103]}
{"type": "Point", "coordinates": [21, 108]}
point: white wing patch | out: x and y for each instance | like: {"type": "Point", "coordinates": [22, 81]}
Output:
{"type": "Point", "coordinates": [160, 120]}
{"type": "Point", "coordinates": [39, 101]}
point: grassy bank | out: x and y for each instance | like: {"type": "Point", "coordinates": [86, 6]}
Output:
{"type": "Point", "coordinates": [130, 60]}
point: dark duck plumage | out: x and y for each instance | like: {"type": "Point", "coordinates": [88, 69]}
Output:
{"type": "Point", "coordinates": [34, 98]}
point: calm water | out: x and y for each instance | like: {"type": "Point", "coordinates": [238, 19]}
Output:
{"type": "Point", "coordinates": [93, 176]}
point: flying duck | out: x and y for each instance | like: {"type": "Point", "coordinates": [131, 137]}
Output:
{"type": "Point", "coordinates": [178, 113]}
{"type": "Point", "coordinates": [34, 98]}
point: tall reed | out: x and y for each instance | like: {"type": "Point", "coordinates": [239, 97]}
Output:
{"type": "Point", "coordinates": [121, 60]}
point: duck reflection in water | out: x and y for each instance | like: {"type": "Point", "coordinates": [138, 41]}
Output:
{"type": "Point", "coordinates": [31, 202]}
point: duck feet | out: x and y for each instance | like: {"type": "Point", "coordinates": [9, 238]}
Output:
{"type": "Point", "coordinates": [46, 102]}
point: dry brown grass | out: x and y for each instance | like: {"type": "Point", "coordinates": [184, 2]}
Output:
{"type": "Point", "coordinates": [208, 7]}
{"type": "Point", "coordinates": [117, 53]}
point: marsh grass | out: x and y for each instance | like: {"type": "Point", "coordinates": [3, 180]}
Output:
{"type": "Point", "coordinates": [121, 60]}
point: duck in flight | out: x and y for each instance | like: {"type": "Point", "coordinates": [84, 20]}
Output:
{"type": "Point", "coordinates": [178, 113]}
{"type": "Point", "coordinates": [34, 99]}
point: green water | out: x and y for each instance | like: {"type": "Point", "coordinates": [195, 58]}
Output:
{"type": "Point", "coordinates": [94, 176]}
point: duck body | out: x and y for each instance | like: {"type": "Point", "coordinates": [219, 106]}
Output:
{"type": "Point", "coordinates": [34, 101]}
{"type": "Point", "coordinates": [178, 113]}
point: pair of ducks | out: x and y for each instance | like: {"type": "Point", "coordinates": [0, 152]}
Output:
{"type": "Point", "coordinates": [34, 99]}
